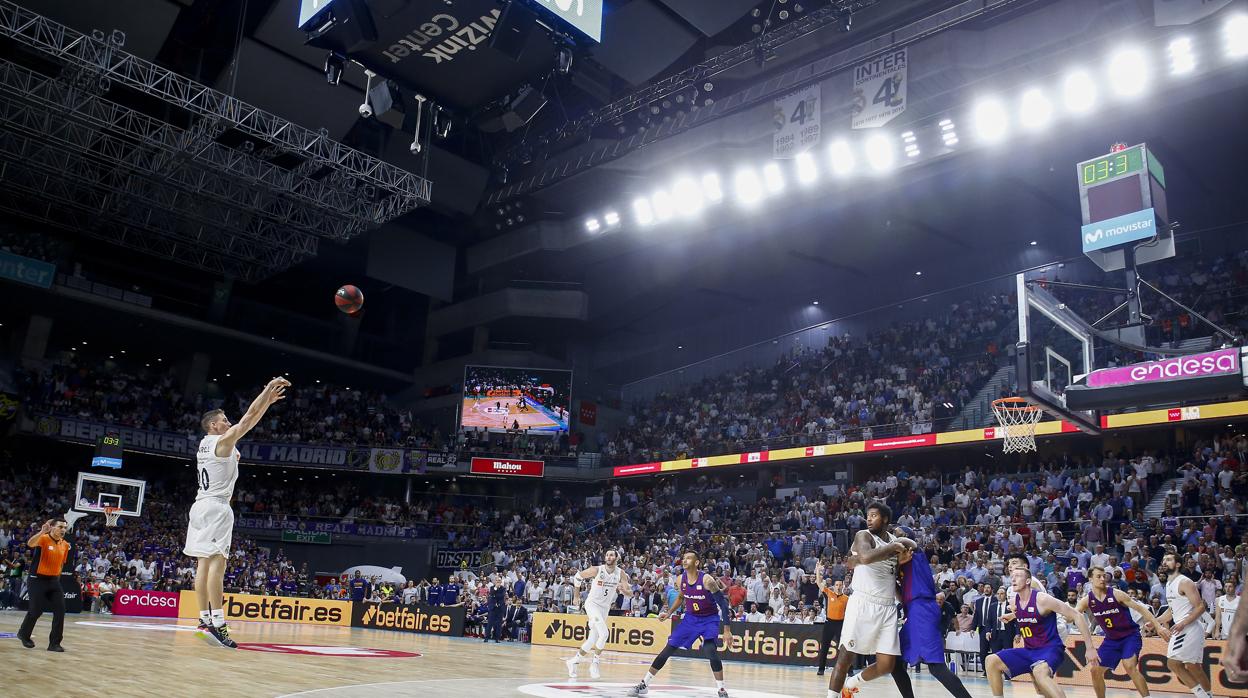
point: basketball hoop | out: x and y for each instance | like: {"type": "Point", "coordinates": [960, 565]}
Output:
{"type": "Point", "coordinates": [112, 515]}
{"type": "Point", "coordinates": [1017, 419]}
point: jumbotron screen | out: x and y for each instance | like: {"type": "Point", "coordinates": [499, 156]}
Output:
{"type": "Point", "coordinates": [500, 398]}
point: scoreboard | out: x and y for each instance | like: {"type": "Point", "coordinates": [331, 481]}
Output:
{"type": "Point", "coordinates": [1122, 196]}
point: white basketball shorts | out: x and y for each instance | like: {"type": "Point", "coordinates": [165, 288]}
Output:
{"type": "Point", "coordinates": [1188, 646]}
{"type": "Point", "coordinates": [211, 528]}
{"type": "Point", "coordinates": [871, 627]}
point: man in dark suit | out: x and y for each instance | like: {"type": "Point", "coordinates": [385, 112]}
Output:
{"type": "Point", "coordinates": [987, 615]}
{"type": "Point", "coordinates": [497, 604]}
{"type": "Point", "coordinates": [1003, 633]}
{"type": "Point", "coordinates": [516, 618]}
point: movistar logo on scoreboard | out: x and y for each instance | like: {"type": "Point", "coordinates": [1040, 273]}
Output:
{"type": "Point", "coordinates": [1140, 225]}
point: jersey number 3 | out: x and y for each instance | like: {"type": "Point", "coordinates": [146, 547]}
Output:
{"type": "Point", "coordinates": [203, 479]}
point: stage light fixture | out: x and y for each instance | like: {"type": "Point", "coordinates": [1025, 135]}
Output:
{"type": "Point", "coordinates": [1182, 58]}
{"type": "Point", "coordinates": [1128, 72]}
{"type": "Point", "coordinates": [1079, 92]}
{"type": "Point", "coordinates": [712, 190]}
{"type": "Point", "coordinates": [664, 207]}
{"type": "Point", "coordinates": [1035, 110]}
{"type": "Point", "coordinates": [991, 120]}
{"type": "Point", "coordinates": [1235, 35]}
{"type": "Point", "coordinates": [911, 144]}
{"type": "Point", "coordinates": [807, 172]}
{"type": "Point", "coordinates": [592, 225]}
{"type": "Point", "coordinates": [611, 218]}
{"type": "Point", "coordinates": [842, 158]}
{"type": "Point", "coordinates": [688, 196]}
{"type": "Point", "coordinates": [642, 211]}
{"type": "Point", "coordinates": [773, 178]}
{"type": "Point", "coordinates": [747, 187]}
{"type": "Point", "coordinates": [880, 152]}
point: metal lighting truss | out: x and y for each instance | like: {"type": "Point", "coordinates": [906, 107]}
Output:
{"type": "Point", "coordinates": [224, 209]}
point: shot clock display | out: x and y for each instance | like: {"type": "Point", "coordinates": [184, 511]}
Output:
{"type": "Point", "coordinates": [1122, 196]}
{"type": "Point", "coordinates": [108, 452]}
{"type": "Point", "coordinates": [1112, 165]}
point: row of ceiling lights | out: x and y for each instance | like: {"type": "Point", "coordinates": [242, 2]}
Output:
{"type": "Point", "coordinates": [1129, 73]}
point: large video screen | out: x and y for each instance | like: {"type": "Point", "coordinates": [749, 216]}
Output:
{"type": "Point", "coordinates": [500, 398]}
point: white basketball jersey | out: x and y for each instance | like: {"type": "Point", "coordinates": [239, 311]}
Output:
{"type": "Point", "coordinates": [877, 579]}
{"type": "Point", "coordinates": [216, 475]}
{"type": "Point", "coordinates": [1227, 607]}
{"type": "Point", "coordinates": [1180, 607]}
{"type": "Point", "coordinates": [604, 589]}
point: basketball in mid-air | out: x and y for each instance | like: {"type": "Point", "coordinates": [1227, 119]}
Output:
{"type": "Point", "coordinates": [349, 299]}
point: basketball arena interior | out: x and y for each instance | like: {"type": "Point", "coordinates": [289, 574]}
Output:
{"type": "Point", "coordinates": [517, 347]}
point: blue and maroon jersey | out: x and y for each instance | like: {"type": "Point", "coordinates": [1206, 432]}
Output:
{"type": "Point", "coordinates": [1039, 631]}
{"type": "Point", "coordinates": [698, 601]}
{"type": "Point", "coordinates": [916, 579]}
{"type": "Point", "coordinates": [1114, 618]}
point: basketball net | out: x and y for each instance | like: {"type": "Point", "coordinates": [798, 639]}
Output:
{"type": "Point", "coordinates": [112, 515]}
{"type": "Point", "coordinates": [1017, 424]}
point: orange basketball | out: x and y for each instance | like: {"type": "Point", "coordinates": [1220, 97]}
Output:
{"type": "Point", "coordinates": [349, 299]}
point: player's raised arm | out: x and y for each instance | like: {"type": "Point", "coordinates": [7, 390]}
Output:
{"type": "Point", "coordinates": [273, 392]}
{"type": "Point", "coordinates": [1146, 614]}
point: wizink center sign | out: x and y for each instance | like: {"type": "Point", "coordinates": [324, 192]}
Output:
{"type": "Point", "coordinates": [1111, 232]}
{"type": "Point", "coordinates": [1224, 362]}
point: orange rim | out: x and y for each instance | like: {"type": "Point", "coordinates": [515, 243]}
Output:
{"type": "Point", "coordinates": [1014, 404]}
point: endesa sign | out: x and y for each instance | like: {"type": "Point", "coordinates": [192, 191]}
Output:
{"type": "Point", "coordinates": [137, 602]}
{"type": "Point", "coordinates": [508, 466]}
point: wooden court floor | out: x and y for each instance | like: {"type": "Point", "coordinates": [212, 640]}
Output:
{"type": "Point", "coordinates": [114, 656]}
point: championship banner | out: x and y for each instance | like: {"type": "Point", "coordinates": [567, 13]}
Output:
{"type": "Point", "coordinates": [770, 643]}
{"type": "Point", "coordinates": [644, 635]}
{"type": "Point", "coordinates": [388, 461]}
{"type": "Point", "coordinates": [879, 90]}
{"type": "Point", "coordinates": [797, 120]}
{"type": "Point", "coordinates": [274, 609]}
{"type": "Point", "coordinates": [140, 602]}
{"type": "Point", "coordinates": [594, 502]}
{"type": "Point", "coordinates": [516, 467]}
{"type": "Point", "coordinates": [1075, 672]}
{"type": "Point", "coordinates": [413, 618]}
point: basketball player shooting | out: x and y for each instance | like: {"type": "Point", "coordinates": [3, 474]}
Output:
{"type": "Point", "coordinates": [871, 622]}
{"type": "Point", "coordinates": [609, 581]}
{"type": "Point", "coordinates": [211, 526]}
{"type": "Point", "coordinates": [703, 608]}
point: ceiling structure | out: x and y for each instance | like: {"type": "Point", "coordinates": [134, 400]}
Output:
{"type": "Point", "coordinates": [221, 185]}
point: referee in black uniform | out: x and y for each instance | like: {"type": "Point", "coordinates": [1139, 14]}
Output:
{"type": "Point", "coordinates": [44, 583]}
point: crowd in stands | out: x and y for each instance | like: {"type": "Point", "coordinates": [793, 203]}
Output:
{"type": "Point", "coordinates": [1066, 515]}
{"type": "Point", "coordinates": [886, 383]}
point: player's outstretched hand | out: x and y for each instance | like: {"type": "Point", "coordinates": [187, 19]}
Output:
{"type": "Point", "coordinates": [1233, 659]}
{"type": "Point", "coordinates": [1162, 631]}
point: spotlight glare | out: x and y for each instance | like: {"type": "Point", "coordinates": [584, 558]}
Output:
{"type": "Point", "coordinates": [747, 186]}
{"type": "Point", "coordinates": [1235, 36]}
{"type": "Point", "coordinates": [611, 218]}
{"type": "Point", "coordinates": [688, 196]}
{"type": "Point", "coordinates": [643, 211]}
{"type": "Point", "coordinates": [1128, 72]}
{"type": "Point", "coordinates": [592, 225]}
{"type": "Point", "coordinates": [663, 205]}
{"type": "Point", "coordinates": [842, 158]}
{"type": "Point", "coordinates": [712, 190]}
{"type": "Point", "coordinates": [880, 153]}
{"type": "Point", "coordinates": [773, 178]}
{"type": "Point", "coordinates": [1079, 92]}
{"type": "Point", "coordinates": [1035, 110]}
{"type": "Point", "coordinates": [807, 172]}
{"type": "Point", "coordinates": [1182, 59]}
{"type": "Point", "coordinates": [991, 120]}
